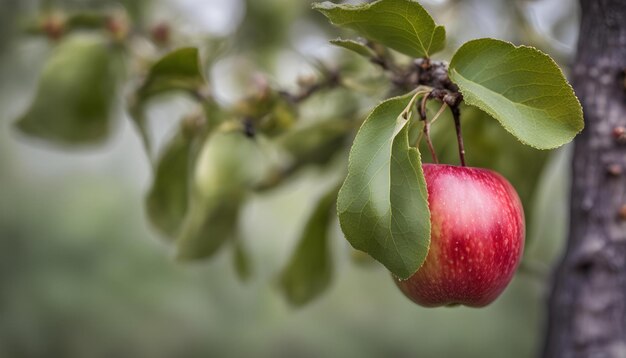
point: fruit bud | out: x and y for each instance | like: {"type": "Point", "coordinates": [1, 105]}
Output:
{"type": "Point", "coordinates": [117, 25]}
{"type": "Point", "coordinates": [160, 34]}
{"type": "Point", "coordinates": [53, 26]}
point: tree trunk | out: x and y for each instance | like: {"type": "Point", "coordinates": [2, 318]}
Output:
{"type": "Point", "coordinates": [587, 307]}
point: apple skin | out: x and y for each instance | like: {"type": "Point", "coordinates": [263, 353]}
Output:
{"type": "Point", "coordinates": [477, 238]}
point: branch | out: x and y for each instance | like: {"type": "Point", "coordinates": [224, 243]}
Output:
{"type": "Point", "coordinates": [308, 88]}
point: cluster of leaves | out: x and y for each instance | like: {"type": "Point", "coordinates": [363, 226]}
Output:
{"type": "Point", "coordinates": [216, 157]}
{"type": "Point", "coordinates": [219, 156]}
{"type": "Point", "coordinates": [382, 205]}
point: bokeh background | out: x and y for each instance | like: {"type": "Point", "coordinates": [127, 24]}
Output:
{"type": "Point", "coordinates": [82, 273]}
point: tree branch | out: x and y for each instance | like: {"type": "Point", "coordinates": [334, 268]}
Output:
{"type": "Point", "coordinates": [330, 79]}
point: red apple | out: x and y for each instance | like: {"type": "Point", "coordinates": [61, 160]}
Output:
{"type": "Point", "coordinates": [477, 238]}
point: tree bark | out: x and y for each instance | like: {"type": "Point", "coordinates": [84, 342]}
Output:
{"type": "Point", "coordinates": [587, 306]}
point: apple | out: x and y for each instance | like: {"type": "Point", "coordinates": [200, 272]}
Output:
{"type": "Point", "coordinates": [476, 242]}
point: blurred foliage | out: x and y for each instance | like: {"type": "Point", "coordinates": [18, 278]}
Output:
{"type": "Point", "coordinates": [168, 198]}
{"type": "Point", "coordinates": [309, 270]}
{"type": "Point", "coordinates": [84, 276]}
{"type": "Point", "coordinates": [79, 82]}
{"type": "Point", "coordinates": [228, 166]}
{"type": "Point", "coordinates": [179, 70]}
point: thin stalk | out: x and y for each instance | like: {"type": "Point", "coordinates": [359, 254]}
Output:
{"type": "Point", "coordinates": [456, 114]}
{"type": "Point", "coordinates": [422, 111]}
{"type": "Point", "coordinates": [423, 107]}
{"type": "Point", "coordinates": [432, 121]}
{"type": "Point", "coordinates": [406, 113]}
{"type": "Point", "coordinates": [439, 112]}
{"type": "Point", "coordinates": [429, 141]}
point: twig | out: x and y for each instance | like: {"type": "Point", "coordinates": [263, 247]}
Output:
{"type": "Point", "coordinates": [330, 80]}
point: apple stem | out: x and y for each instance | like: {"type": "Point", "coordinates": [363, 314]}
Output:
{"type": "Point", "coordinates": [456, 114]}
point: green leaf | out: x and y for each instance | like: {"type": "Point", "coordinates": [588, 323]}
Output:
{"type": "Point", "coordinates": [228, 166]}
{"type": "Point", "coordinates": [76, 93]}
{"type": "Point", "coordinates": [355, 46]}
{"type": "Point", "coordinates": [279, 117]}
{"type": "Point", "coordinates": [272, 113]}
{"type": "Point", "coordinates": [179, 70]}
{"type": "Point", "coordinates": [522, 88]}
{"type": "Point", "coordinates": [309, 270]}
{"type": "Point", "coordinates": [383, 203]}
{"type": "Point", "coordinates": [208, 225]}
{"type": "Point", "coordinates": [167, 199]}
{"type": "Point", "coordinates": [315, 143]}
{"type": "Point", "coordinates": [402, 25]}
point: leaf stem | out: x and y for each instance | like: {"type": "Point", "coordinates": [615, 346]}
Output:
{"type": "Point", "coordinates": [431, 148]}
{"type": "Point", "coordinates": [430, 142]}
{"type": "Point", "coordinates": [432, 121]}
{"type": "Point", "coordinates": [407, 110]}
{"type": "Point", "coordinates": [422, 111]}
{"type": "Point", "coordinates": [423, 107]}
{"type": "Point", "coordinates": [439, 112]}
{"type": "Point", "coordinates": [456, 114]}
